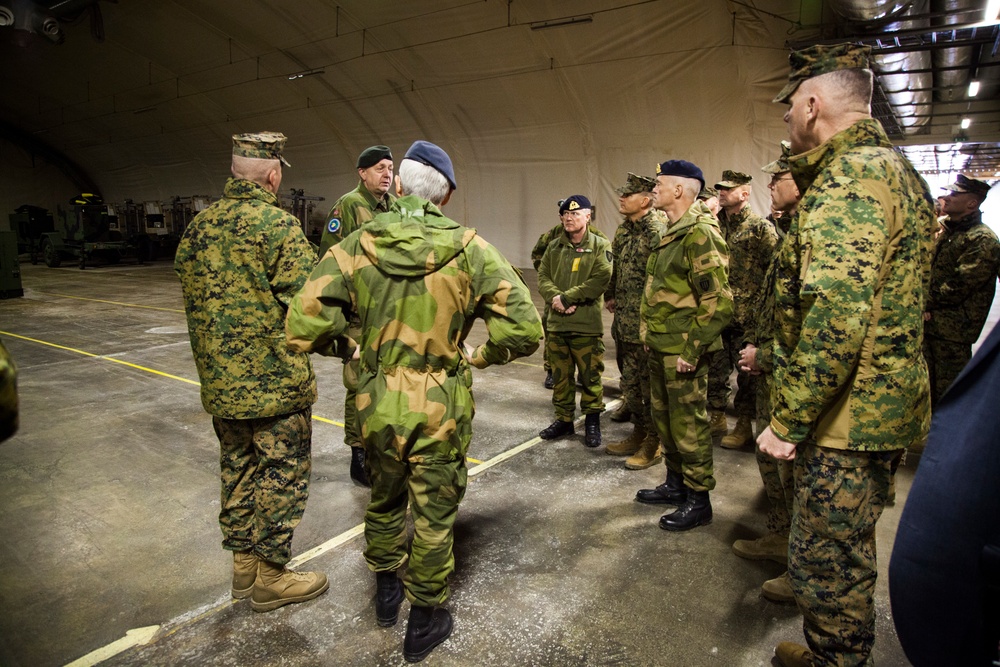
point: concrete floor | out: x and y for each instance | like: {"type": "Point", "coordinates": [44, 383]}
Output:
{"type": "Point", "coordinates": [109, 498]}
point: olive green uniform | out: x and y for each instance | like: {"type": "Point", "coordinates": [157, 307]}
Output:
{"type": "Point", "coordinates": [578, 273]}
{"type": "Point", "coordinates": [685, 306]}
{"type": "Point", "coordinates": [8, 395]}
{"type": "Point", "coordinates": [240, 262]}
{"type": "Point", "coordinates": [416, 280]}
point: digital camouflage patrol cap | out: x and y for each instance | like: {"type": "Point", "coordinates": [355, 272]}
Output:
{"type": "Point", "coordinates": [260, 145]}
{"type": "Point", "coordinates": [707, 193]}
{"type": "Point", "coordinates": [779, 166]}
{"type": "Point", "coordinates": [733, 179]}
{"type": "Point", "coordinates": [574, 203]}
{"type": "Point", "coordinates": [822, 59]}
{"type": "Point", "coordinates": [971, 185]}
{"type": "Point", "coordinates": [636, 184]}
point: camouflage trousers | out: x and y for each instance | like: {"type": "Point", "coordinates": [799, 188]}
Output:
{"type": "Point", "coordinates": [679, 409]}
{"type": "Point", "coordinates": [546, 364]}
{"type": "Point", "coordinates": [633, 362]}
{"type": "Point", "coordinates": [585, 354]}
{"type": "Point", "coordinates": [416, 427]}
{"type": "Point", "coordinates": [352, 428]}
{"type": "Point", "coordinates": [265, 467]}
{"type": "Point", "coordinates": [840, 495]}
{"type": "Point", "coordinates": [945, 360]}
{"type": "Point", "coordinates": [722, 363]}
{"type": "Point", "coordinates": [778, 476]}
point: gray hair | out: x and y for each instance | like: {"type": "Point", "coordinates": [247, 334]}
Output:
{"type": "Point", "coordinates": [417, 178]}
{"type": "Point", "coordinates": [253, 169]}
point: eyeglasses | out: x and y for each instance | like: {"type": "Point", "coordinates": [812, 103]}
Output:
{"type": "Point", "coordinates": [786, 177]}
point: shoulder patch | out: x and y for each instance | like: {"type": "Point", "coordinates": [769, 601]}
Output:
{"type": "Point", "coordinates": [607, 253]}
{"type": "Point", "coordinates": [333, 226]}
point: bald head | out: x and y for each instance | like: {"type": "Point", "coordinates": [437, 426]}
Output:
{"type": "Point", "coordinates": [266, 173]}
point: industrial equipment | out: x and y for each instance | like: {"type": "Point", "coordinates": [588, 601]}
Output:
{"type": "Point", "coordinates": [30, 223]}
{"type": "Point", "coordinates": [84, 232]}
{"type": "Point", "coordinates": [10, 268]}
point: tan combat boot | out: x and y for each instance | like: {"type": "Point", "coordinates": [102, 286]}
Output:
{"type": "Point", "coordinates": [770, 547]}
{"type": "Point", "coordinates": [629, 445]}
{"type": "Point", "coordinates": [277, 586]}
{"type": "Point", "coordinates": [622, 414]}
{"type": "Point", "coordinates": [717, 422]}
{"type": "Point", "coordinates": [649, 454]}
{"type": "Point", "coordinates": [790, 654]}
{"type": "Point", "coordinates": [244, 573]}
{"type": "Point", "coordinates": [778, 589]}
{"type": "Point", "coordinates": [742, 435]}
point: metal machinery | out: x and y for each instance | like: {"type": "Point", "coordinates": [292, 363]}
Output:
{"type": "Point", "coordinates": [301, 206]}
{"type": "Point", "coordinates": [84, 232]}
{"type": "Point", "coordinates": [10, 268]}
{"type": "Point", "coordinates": [30, 223]}
{"type": "Point", "coordinates": [182, 210]}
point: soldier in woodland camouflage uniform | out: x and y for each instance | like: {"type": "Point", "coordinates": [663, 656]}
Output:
{"type": "Point", "coordinates": [637, 235]}
{"type": "Point", "coordinates": [575, 271]}
{"type": "Point", "coordinates": [757, 358]}
{"type": "Point", "coordinates": [240, 262]}
{"type": "Point", "coordinates": [963, 282]}
{"type": "Point", "coordinates": [850, 382]}
{"type": "Point", "coordinates": [536, 260]}
{"type": "Point", "coordinates": [8, 395]}
{"type": "Point", "coordinates": [685, 306]}
{"type": "Point", "coordinates": [414, 389]}
{"type": "Point", "coordinates": [751, 240]}
{"type": "Point", "coordinates": [372, 196]}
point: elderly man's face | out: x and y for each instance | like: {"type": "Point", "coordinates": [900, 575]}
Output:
{"type": "Point", "coordinates": [378, 177]}
{"type": "Point", "coordinates": [664, 193]}
{"type": "Point", "coordinates": [575, 221]}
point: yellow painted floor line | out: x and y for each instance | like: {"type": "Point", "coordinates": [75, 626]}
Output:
{"type": "Point", "coordinates": [472, 460]}
{"type": "Point", "coordinates": [137, 366]}
{"type": "Point", "coordinates": [114, 303]}
{"type": "Point", "coordinates": [135, 637]}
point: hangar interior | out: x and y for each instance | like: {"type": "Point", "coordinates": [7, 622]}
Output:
{"type": "Point", "coordinates": [110, 488]}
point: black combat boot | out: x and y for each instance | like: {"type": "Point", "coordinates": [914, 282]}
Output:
{"type": "Point", "coordinates": [359, 471]}
{"type": "Point", "coordinates": [592, 438]}
{"type": "Point", "coordinates": [388, 597]}
{"type": "Point", "coordinates": [696, 511]}
{"type": "Point", "coordinates": [427, 627]}
{"type": "Point", "coordinates": [556, 429]}
{"type": "Point", "coordinates": [671, 492]}
{"type": "Point", "coordinates": [549, 382]}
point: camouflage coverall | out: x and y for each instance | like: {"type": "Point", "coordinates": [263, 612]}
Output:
{"type": "Point", "coordinates": [348, 213]}
{"type": "Point", "coordinates": [8, 395]}
{"type": "Point", "coordinates": [633, 242]}
{"type": "Point", "coordinates": [240, 262]}
{"type": "Point", "coordinates": [579, 273]}
{"type": "Point", "coordinates": [963, 283]}
{"type": "Point", "coordinates": [685, 306]}
{"type": "Point", "coordinates": [751, 240]}
{"type": "Point", "coordinates": [417, 281]}
{"type": "Point", "coordinates": [850, 382]}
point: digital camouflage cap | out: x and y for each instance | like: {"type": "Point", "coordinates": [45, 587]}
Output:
{"type": "Point", "coordinates": [635, 184]}
{"type": "Point", "coordinates": [971, 185]}
{"type": "Point", "coordinates": [260, 145]}
{"type": "Point", "coordinates": [707, 193]}
{"type": "Point", "coordinates": [779, 166]}
{"type": "Point", "coordinates": [822, 59]}
{"type": "Point", "coordinates": [733, 179]}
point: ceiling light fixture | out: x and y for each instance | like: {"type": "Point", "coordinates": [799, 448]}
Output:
{"type": "Point", "coordinates": [966, 122]}
{"type": "Point", "coordinates": [973, 88]}
{"type": "Point", "coordinates": [992, 10]}
{"type": "Point", "coordinates": [299, 75]}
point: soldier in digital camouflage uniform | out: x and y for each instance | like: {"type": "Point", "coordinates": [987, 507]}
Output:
{"type": "Point", "coordinates": [850, 383]}
{"type": "Point", "coordinates": [240, 262]}
{"type": "Point", "coordinates": [757, 358]}
{"type": "Point", "coordinates": [685, 306]}
{"type": "Point", "coordinates": [710, 197]}
{"type": "Point", "coordinates": [963, 283]}
{"type": "Point", "coordinates": [637, 235]}
{"type": "Point", "coordinates": [372, 196]}
{"type": "Point", "coordinates": [574, 272]}
{"type": "Point", "coordinates": [8, 395]}
{"type": "Point", "coordinates": [536, 260]}
{"type": "Point", "coordinates": [751, 240]}
{"type": "Point", "coordinates": [414, 389]}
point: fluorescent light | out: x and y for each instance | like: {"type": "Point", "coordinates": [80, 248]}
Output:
{"type": "Point", "coordinates": [992, 10]}
{"type": "Point", "coordinates": [299, 75]}
{"type": "Point", "coordinates": [973, 88]}
{"type": "Point", "coordinates": [958, 146]}
{"type": "Point", "coordinates": [966, 122]}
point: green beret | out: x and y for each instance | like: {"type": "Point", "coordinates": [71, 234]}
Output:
{"type": "Point", "coordinates": [733, 179]}
{"type": "Point", "coordinates": [372, 155]}
{"type": "Point", "coordinates": [260, 145]}
{"type": "Point", "coordinates": [822, 59]}
{"type": "Point", "coordinates": [636, 184]}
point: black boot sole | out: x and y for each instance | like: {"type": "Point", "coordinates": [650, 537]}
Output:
{"type": "Point", "coordinates": [681, 528]}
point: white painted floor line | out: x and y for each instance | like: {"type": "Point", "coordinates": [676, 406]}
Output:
{"type": "Point", "coordinates": [134, 637]}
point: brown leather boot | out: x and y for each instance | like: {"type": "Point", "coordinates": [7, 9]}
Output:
{"type": "Point", "coordinates": [790, 654]}
{"type": "Point", "coordinates": [244, 573]}
{"type": "Point", "coordinates": [717, 422]}
{"type": "Point", "coordinates": [649, 454]}
{"type": "Point", "coordinates": [629, 445]}
{"type": "Point", "coordinates": [741, 436]}
{"type": "Point", "coordinates": [276, 586]}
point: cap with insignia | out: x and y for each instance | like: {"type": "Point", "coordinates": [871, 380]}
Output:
{"type": "Point", "coordinates": [707, 193]}
{"type": "Point", "coordinates": [733, 179]}
{"type": "Point", "coordinates": [971, 185]}
{"type": "Point", "coordinates": [822, 59]}
{"type": "Point", "coordinates": [372, 155]}
{"type": "Point", "coordinates": [636, 184]}
{"type": "Point", "coordinates": [432, 155]}
{"type": "Point", "coordinates": [574, 203]}
{"type": "Point", "coordinates": [780, 165]}
{"type": "Point", "coordinates": [260, 145]}
{"type": "Point", "coordinates": [681, 168]}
